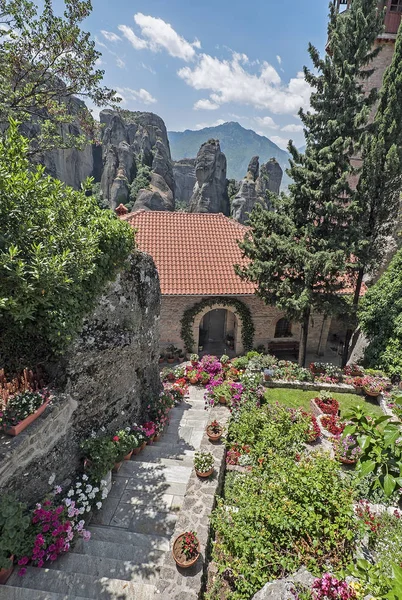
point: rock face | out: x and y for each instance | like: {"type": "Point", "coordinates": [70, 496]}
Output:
{"type": "Point", "coordinates": [281, 589]}
{"type": "Point", "coordinates": [70, 166]}
{"type": "Point", "coordinates": [210, 191]}
{"type": "Point", "coordinates": [185, 179]}
{"type": "Point", "coordinates": [130, 138]}
{"type": "Point", "coordinates": [104, 382]}
{"type": "Point", "coordinates": [254, 187]}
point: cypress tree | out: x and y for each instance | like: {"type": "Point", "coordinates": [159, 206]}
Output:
{"type": "Point", "coordinates": [300, 250]}
{"type": "Point", "coordinates": [380, 183]}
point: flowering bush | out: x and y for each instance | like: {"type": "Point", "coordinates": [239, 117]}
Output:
{"type": "Point", "coordinates": [313, 431]}
{"type": "Point", "coordinates": [20, 406]}
{"type": "Point", "coordinates": [287, 370]}
{"type": "Point", "coordinates": [374, 384]}
{"type": "Point", "coordinates": [211, 365]}
{"type": "Point", "coordinates": [168, 374]}
{"type": "Point", "coordinates": [125, 441]}
{"type": "Point", "coordinates": [192, 375]}
{"type": "Point", "coordinates": [203, 377]}
{"type": "Point", "coordinates": [83, 495]}
{"type": "Point", "coordinates": [346, 448]}
{"type": "Point", "coordinates": [327, 404]}
{"type": "Point", "coordinates": [150, 429]}
{"type": "Point", "coordinates": [331, 588]}
{"type": "Point", "coordinates": [353, 370]}
{"type": "Point", "coordinates": [332, 424]}
{"type": "Point", "coordinates": [232, 374]}
{"type": "Point", "coordinates": [189, 544]}
{"type": "Point", "coordinates": [370, 520]}
{"type": "Point", "coordinates": [139, 433]}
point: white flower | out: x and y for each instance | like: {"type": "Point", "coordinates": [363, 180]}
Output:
{"type": "Point", "coordinates": [104, 494]}
{"type": "Point", "coordinates": [70, 493]}
{"type": "Point", "coordinates": [67, 501]}
{"type": "Point", "coordinates": [88, 508]}
{"type": "Point", "coordinates": [103, 483]}
{"type": "Point", "coordinates": [78, 484]}
{"type": "Point", "coordinates": [99, 505]}
{"type": "Point", "coordinates": [82, 510]}
{"type": "Point", "coordinates": [85, 478]}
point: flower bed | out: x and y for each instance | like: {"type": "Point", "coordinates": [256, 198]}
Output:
{"type": "Point", "coordinates": [22, 409]}
{"type": "Point", "coordinates": [331, 425]}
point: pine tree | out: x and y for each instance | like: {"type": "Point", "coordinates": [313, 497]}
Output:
{"type": "Point", "coordinates": [380, 183]}
{"type": "Point", "coordinates": [300, 250]}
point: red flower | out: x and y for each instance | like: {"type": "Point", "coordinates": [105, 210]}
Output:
{"type": "Point", "coordinates": [116, 438]}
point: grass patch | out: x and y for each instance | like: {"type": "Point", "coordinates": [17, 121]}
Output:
{"type": "Point", "coordinates": [294, 398]}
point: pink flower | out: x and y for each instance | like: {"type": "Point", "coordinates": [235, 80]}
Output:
{"type": "Point", "coordinates": [23, 561]}
{"type": "Point", "coordinates": [22, 572]}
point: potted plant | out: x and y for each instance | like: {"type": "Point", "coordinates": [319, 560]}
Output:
{"type": "Point", "coordinates": [214, 431]}
{"type": "Point", "coordinates": [372, 386]}
{"type": "Point", "coordinates": [204, 377]}
{"type": "Point", "coordinates": [353, 370]}
{"type": "Point", "coordinates": [100, 456]}
{"type": "Point", "coordinates": [313, 431]}
{"type": "Point", "coordinates": [317, 368]}
{"type": "Point", "coordinates": [168, 374]}
{"type": "Point", "coordinates": [204, 464]}
{"type": "Point", "coordinates": [181, 356]}
{"type": "Point", "coordinates": [161, 357]}
{"type": "Point", "coordinates": [186, 549]}
{"type": "Point", "coordinates": [346, 449]}
{"type": "Point", "coordinates": [358, 384]}
{"type": "Point", "coordinates": [22, 409]}
{"type": "Point", "coordinates": [14, 533]}
{"type": "Point", "coordinates": [268, 374]}
{"type": "Point", "coordinates": [125, 442]}
{"type": "Point", "coordinates": [195, 359]}
{"type": "Point", "coordinates": [139, 433]}
{"type": "Point", "coordinates": [192, 376]}
{"type": "Point", "coordinates": [170, 351]}
{"type": "Point", "coordinates": [150, 431]}
{"type": "Point", "coordinates": [223, 393]}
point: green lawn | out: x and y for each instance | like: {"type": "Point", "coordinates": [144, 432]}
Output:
{"type": "Point", "coordinates": [294, 398]}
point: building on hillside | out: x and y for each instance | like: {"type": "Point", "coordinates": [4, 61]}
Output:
{"type": "Point", "coordinates": [204, 303]}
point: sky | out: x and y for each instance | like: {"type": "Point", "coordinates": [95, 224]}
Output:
{"type": "Point", "coordinates": [198, 64]}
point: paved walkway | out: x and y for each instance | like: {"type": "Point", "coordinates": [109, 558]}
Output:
{"type": "Point", "coordinates": [131, 534]}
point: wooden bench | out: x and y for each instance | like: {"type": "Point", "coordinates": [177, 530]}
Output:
{"type": "Point", "coordinates": [291, 346]}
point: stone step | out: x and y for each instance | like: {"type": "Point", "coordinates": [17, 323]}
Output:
{"type": "Point", "coordinates": [130, 538]}
{"type": "Point", "coordinates": [156, 452]}
{"type": "Point", "coordinates": [81, 585]}
{"type": "Point", "coordinates": [155, 491]}
{"type": "Point", "coordinates": [146, 520]}
{"type": "Point", "coordinates": [158, 456]}
{"type": "Point", "coordinates": [16, 593]}
{"type": "Point", "coordinates": [112, 568]}
{"type": "Point", "coordinates": [136, 555]}
{"type": "Point", "coordinates": [151, 473]}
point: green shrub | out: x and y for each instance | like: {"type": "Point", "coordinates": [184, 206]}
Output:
{"type": "Point", "coordinates": [58, 249]}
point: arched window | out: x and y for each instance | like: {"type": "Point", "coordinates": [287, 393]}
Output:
{"type": "Point", "coordinates": [283, 328]}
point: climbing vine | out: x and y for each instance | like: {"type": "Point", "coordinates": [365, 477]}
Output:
{"type": "Point", "coordinates": [241, 309]}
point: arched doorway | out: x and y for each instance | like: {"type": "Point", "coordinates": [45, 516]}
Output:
{"type": "Point", "coordinates": [218, 332]}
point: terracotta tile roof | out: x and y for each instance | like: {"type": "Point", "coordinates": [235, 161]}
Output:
{"type": "Point", "coordinates": [193, 252]}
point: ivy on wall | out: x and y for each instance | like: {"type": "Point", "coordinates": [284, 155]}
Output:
{"type": "Point", "coordinates": [241, 309]}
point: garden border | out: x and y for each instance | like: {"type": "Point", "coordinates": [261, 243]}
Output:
{"type": "Point", "coordinates": [310, 386]}
{"type": "Point", "coordinates": [199, 501]}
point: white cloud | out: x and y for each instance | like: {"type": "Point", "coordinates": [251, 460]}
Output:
{"type": "Point", "coordinates": [280, 141]}
{"type": "Point", "coordinates": [120, 63]}
{"type": "Point", "coordinates": [101, 44]}
{"type": "Point", "coordinates": [204, 125]}
{"type": "Point", "coordinates": [293, 128]}
{"type": "Point", "coordinates": [279, 59]}
{"type": "Point", "coordinates": [205, 105]}
{"type": "Point", "coordinates": [161, 35]}
{"type": "Point", "coordinates": [110, 36]}
{"type": "Point", "coordinates": [134, 40]}
{"type": "Point", "coordinates": [230, 82]}
{"type": "Point", "coordinates": [127, 94]}
{"type": "Point", "coordinates": [148, 68]}
{"type": "Point", "coordinates": [267, 122]}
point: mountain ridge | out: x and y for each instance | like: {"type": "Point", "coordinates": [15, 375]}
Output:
{"type": "Point", "coordinates": [238, 144]}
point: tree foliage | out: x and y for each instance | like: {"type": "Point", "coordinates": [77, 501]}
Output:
{"type": "Point", "coordinates": [58, 249]}
{"type": "Point", "coordinates": [300, 250]}
{"type": "Point", "coordinates": [45, 60]}
{"type": "Point", "coordinates": [141, 182]}
{"type": "Point", "coordinates": [380, 317]}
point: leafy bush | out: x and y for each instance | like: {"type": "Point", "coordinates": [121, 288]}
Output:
{"type": "Point", "coordinates": [141, 182]}
{"type": "Point", "coordinates": [58, 249]}
{"type": "Point", "coordinates": [14, 525]}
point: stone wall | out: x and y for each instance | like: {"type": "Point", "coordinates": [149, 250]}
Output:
{"type": "Point", "coordinates": [264, 318]}
{"type": "Point", "coordinates": [103, 382]}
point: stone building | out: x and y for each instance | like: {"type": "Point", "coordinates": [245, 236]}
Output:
{"type": "Point", "coordinates": [194, 254]}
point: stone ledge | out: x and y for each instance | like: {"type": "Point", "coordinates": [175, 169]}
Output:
{"type": "Point", "coordinates": [199, 501]}
{"type": "Point", "coordinates": [308, 385]}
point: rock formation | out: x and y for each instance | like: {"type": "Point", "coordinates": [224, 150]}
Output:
{"type": "Point", "coordinates": [129, 138]}
{"type": "Point", "coordinates": [210, 191]}
{"type": "Point", "coordinates": [185, 179]}
{"type": "Point", "coordinates": [254, 187]}
{"type": "Point", "coordinates": [102, 384]}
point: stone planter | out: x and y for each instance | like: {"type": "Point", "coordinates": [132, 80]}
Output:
{"type": "Point", "coordinates": [108, 479]}
{"type": "Point", "coordinates": [6, 573]}
{"type": "Point", "coordinates": [315, 409]}
{"type": "Point", "coordinates": [179, 557]}
{"type": "Point", "coordinates": [117, 466]}
{"type": "Point", "coordinates": [17, 429]}
{"type": "Point", "coordinates": [205, 475]}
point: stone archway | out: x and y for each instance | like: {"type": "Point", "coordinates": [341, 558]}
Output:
{"type": "Point", "coordinates": [235, 329]}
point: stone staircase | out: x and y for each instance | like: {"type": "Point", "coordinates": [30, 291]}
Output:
{"type": "Point", "coordinates": [131, 534]}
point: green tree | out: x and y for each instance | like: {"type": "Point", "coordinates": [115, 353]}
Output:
{"type": "Point", "coordinates": [380, 317]}
{"type": "Point", "coordinates": [141, 182]}
{"type": "Point", "coordinates": [58, 250]}
{"type": "Point", "coordinates": [45, 60]}
{"type": "Point", "coordinates": [300, 251]}
{"type": "Point", "coordinates": [380, 183]}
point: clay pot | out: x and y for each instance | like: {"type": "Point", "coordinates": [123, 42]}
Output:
{"type": "Point", "coordinates": [6, 573]}
{"type": "Point", "coordinates": [137, 450]}
{"type": "Point", "coordinates": [193, 381]}
{"type": "Point", "coordinates": [179, 557]}
{"type": "Point", "coordinates": [16, 429]}
{"type": "Point", "coordinates": [346, 461]}
{"type": "Point", "coordinates": [161, 360]}
{"type": "Point", "coordinates": [157, 437]}
{"type": "Point", "coordinates": [372, 394]}
{"type": "Point", "coordinates": [205, 475]}
{"type": "Point", "coordinates": [117, 466]}
{"type": "Point", "coordinates": [214, 437]}
{"type": "Point", "coordinates": [358, 389]}
{"type": "Point", "coordinates": [143, 445]}
{"type": "Point", "coordinates": [129, 455]}
{"type": "Point", "coordinates": [170, 360]}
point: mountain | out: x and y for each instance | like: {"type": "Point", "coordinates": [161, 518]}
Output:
{"type": "Point", "coordinates": [238, 144]}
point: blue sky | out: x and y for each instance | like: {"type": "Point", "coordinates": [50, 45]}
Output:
{"type": "Point", "coordinates": [202, 63]}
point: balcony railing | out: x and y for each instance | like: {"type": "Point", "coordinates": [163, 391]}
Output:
{"type": "Point", "coordinates": [393, 15]}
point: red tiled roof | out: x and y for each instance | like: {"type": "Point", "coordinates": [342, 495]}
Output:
{"type": "Point", "coordinates": [193, 252]}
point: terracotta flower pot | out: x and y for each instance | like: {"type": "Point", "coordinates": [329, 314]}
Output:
{"type": "Point", "coordinates": [157, 437]}
{"type": "Point", "coordinates": [170, 360]}
{"type": "Point", "coordinates": [144, 443]}
{"type": "Point", "coordinates": [214, 437]}
{"type": "Point", "coordinates": [205, 475]}
{"type": "Point", "coordinates": [117, 466]}
{"type": "Point", "coordinates": [24, 424]}
{"type": "Point", "coordinates": [358, 389]}
{"type": "Point", "coordinates": [193, 380]}
{"type": "Point", "coordinates": [161, 360]}
{"type": "Point", "coordinates": [179, 557]}
{"type": "Point", "coordinates": [346, 461]}
{"type": "Point", "coordinates": [6, 573]}
{"type": "Point", "coordinates": [371, 393]}
{"type": "Point", "coordinates": [137, 450]}
{"type": "Point", "coordinates": [222, 400]}
{"type": "Point", "coordinates": [129, 455]}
